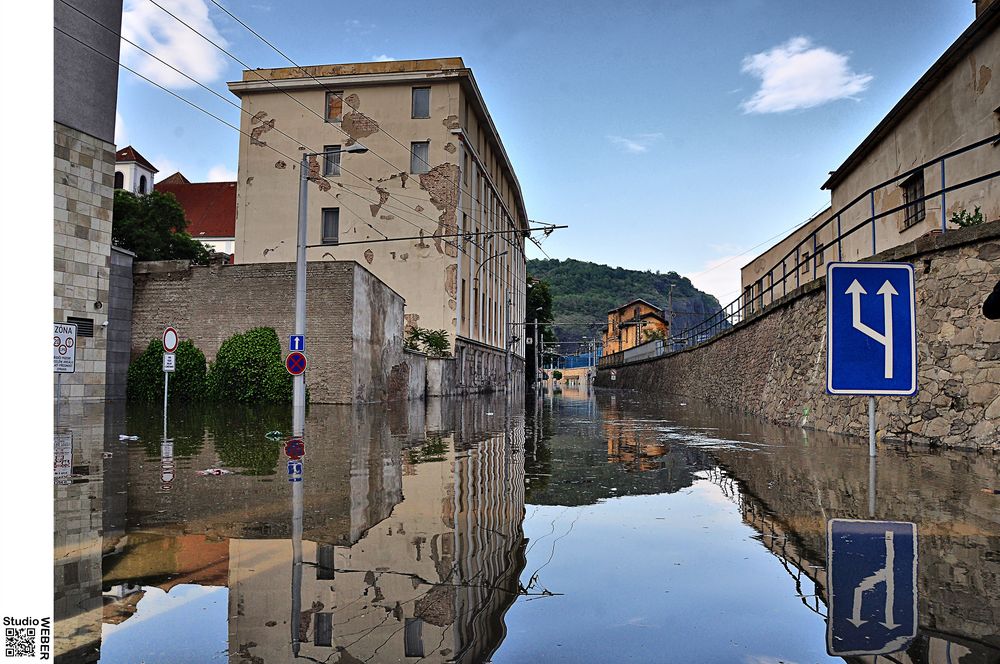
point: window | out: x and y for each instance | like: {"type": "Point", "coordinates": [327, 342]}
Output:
{"type": "Point", "coordinates": [421, 103]}
{"type": "Point", "coordinates": [331, 225]}
{"type": "Point", "coordinates": [119, 180]}
{"type": "Point", "coordinates": [413, 644]}
{"type": "Point", "coordinates": [323, 635]}
{"type": "Point", "coordinates": [419, 153]}
{"type": "Point", "coordinates": [819, 254]}
{"type": "Point", "coordinates": [335, 106]}
{"type": "Point", "coordinates": [913, 190]}
{"type": "Point", "coordinates": [142, 184]}
{"type": "Point", "coordinates": [331, 162]}
{"type": "Point", "coordinates": [465, 167]}
{"type": "Point", "coordinates": [805, 262]}
{"type": "Point", "coordinates": [324, 562]}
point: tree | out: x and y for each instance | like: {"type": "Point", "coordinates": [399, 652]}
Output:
{"type": "Point", "coordinates": [538, 305]}
{"type": "Point", "coordinates": [153, 228]}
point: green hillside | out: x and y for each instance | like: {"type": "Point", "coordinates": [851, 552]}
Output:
{"type": "Point", "coordinates": [584, 292]}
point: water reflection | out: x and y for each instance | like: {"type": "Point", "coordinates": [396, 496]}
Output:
{"type": "Point", "coordinates": [599, 527]}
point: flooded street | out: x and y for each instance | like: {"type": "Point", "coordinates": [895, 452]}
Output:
{"type": "Point", "coordinates": [578, 528]}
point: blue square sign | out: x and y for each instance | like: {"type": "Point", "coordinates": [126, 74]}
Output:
{"type": "Point", "coordinates": [872, 586]}
{"type": "Point", "coordinates": [297, 342]}
{"type": "Point", "coordinates": [871, 329]}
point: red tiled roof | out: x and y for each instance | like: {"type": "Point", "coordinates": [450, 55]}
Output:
{"type": "Point", "coordinates": [129, 153]}
{"type": "Point", "coordinates": [209, 207]}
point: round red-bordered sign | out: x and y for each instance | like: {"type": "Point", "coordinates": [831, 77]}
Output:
{"type": "Point", "coordinates": [170, 340]}
{"type": "Point", "coordinates": [295, 362]}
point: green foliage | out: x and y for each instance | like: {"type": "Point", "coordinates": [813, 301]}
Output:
{"type": "Point", "coordinates": [187, 382]}
{"type": "Point", "coordinates": [556, 375]}
{"type": "Point", "coordinates": [584, 292]}
{"type": "Point", "coordinates": [250, 367]}
{"type": "Point", "coordinates": [238, 435]}
{"type": "Point", "coordinates": [152, 226]}
{"type": "Point", "coordinates": [433, 342]}
{"type": "Point", "coordinates": [654, 335]}
{"type": "Point", "coordinates": [433, 449]}
{"type": "Point", "coordinates": [965, 220]}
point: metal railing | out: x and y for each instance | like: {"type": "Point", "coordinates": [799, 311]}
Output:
{"type": "Point", "coordinates": [800, 265]}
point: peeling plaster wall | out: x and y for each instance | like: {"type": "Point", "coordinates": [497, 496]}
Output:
{"type": "Point", "coordinates": [465, 189]}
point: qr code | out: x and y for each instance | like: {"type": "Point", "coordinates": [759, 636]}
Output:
{"type": "Point", "coordinates": [20, 642]}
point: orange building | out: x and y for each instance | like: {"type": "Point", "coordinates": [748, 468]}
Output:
{"type": "Point", "coordinates": [632, 324]}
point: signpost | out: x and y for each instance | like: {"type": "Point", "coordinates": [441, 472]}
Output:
{"type": "Point", "coordinates": [63, 355]}
{"type": "Point", "coordinates": [297, 342]}
{"type": "Point", "coordinates": [614, 374]}
{"type": "Point", "coordinates": [169, 362]}
{"type": "Point", "coordinates": [170, 342]}
{"type": "Point", "coordinates": [871, 332]}
{"type": "Point", "coordinates": [872, 585]}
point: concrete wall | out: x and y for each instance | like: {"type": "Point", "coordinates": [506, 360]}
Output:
{"type": "Point", "coordinates": [773, 365]}
{"type": "Point", "coordinates": [119, 331]}
{"type": "Point", "coordinates": [354, 321]}
{"type": "Point", "coordinates": [83, 176]}
{"type": "Point", "coordinates": [468, 188]}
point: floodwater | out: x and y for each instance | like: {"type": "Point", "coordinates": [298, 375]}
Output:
{"type": "Point", "coordinates": [579, 527]}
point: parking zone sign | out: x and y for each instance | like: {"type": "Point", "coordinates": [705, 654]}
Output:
{"type": "Point", "coordinates": [64, 347]}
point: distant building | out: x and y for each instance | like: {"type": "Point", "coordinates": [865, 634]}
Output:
{"type": "Point", "coordinates": [632, 324]}
{"type": "Point", "coordinates": [209, 207]}
{"type": "Point", "coordinates": [437, 169]}
{"type": "Point", "coordinates": [133, 172]}
{"type": "Point", "coordinates": [954, 104]}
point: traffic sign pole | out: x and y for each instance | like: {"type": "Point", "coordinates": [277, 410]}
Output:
{"type": "Point", "coordinates": [871, 426]}
{"type": "Point", "coordinates": [299, 382]}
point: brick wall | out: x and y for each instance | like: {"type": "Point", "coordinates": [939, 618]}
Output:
{"type": "Point", "coordinates": [354, 322]}
{"type": "Point", "coordinates": [774, 365]}
{"type": "Point", "coordinates": [84, 198]}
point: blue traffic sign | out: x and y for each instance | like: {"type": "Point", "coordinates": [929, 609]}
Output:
{"type": "Point", "coordinates": [872, 586]}
{"type": "Point", "coordinates": [871, 329]}
{"type": "Point", "coordinates": [297, 342]}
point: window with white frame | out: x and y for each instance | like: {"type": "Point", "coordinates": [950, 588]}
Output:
{"type": "Point", "coordinates": [331, 160]}
{"type": "Point", "coordinates": [421, 103]}
{"type": "Point", "coordinates": [419, 155]}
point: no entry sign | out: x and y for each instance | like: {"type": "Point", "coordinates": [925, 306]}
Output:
{"type": "Point", "coordinates": [295, 362]}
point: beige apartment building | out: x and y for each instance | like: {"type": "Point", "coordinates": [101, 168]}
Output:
{"type": "Point", "coordinates": [894, 174]}
{"type": "Point", "coordinates": [436, 172]}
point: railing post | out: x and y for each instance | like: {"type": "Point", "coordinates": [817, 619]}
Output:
{"type": "Point", "coordinates": [784, 277]}
{"type": "Point", "coordinates": [814, 256]}
{"type": "Point", "coordinates": [797, 247]}
{"type": "Point", "coordinates": [872, 199]}
{"type": "Point", "coordinates": [944, 223]}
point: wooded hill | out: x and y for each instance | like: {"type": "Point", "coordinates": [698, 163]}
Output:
{"type": "Point", "coordinates": [584, 292]}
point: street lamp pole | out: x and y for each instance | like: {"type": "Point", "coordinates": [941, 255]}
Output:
{"type": "Point", "coordinates": [299, 381]}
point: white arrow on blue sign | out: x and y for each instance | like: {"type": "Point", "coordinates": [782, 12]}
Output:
{"type": "Point", "coordinates": [871, 329]}
{"type": "Point", "coordinates": [297, 342]}
{"type": "Point", "coordinates": [872, 586]}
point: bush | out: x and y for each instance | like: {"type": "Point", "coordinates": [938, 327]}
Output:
{"type": "Point", "coordinates": [557, 375]}
{"type": "Point", "coordinates": [250, 367]}
{"type": "Point", "coordinates": [433, 342]}
{"type": "Point", "coordinates": [965, 220]}
{"type": "Point", "coordinates": [187, 383]}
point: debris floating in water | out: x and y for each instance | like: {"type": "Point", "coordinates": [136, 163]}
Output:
{"type": "Point", "coordinates": [122, 436]}
{"type": "Point", "coordinates": [215, 471]}
{"type": "Point", "coordinates": [273, 435]}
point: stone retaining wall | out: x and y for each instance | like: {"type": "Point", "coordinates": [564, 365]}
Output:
{"type": "Point", "coordinates": [774, 364]}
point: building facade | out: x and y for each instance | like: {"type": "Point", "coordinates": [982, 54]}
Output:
{"type": "Point", "coordinates": [632, 324]}
{"type": "Point", "coordinates": [133, 172]}
{"type": "Point", "coordinates": [209, 207]}
{"type": "Point", "coordinates": [85, 94]}
{"type": "Point", "coordinates": [889, 189]}
{"type": "Point", "coordinates": [436, 172]}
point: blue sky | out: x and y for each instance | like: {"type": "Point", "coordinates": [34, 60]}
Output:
{"type": "Point", "coordinates": [668, 135]}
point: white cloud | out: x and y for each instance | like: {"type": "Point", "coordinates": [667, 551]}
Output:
{"type": "Point", "coordinates": [637, 143]}
{"type": "Point", "coordinates": [166, 167]}
{"type": "Point", "coordinates": [221, 173]}
{"type": "Point", "coordinates": [162, 35]}
{"type": "Point", "coordinates": [121, 133]}
{"type": "Point", "coordinates": [720, 277]}
{"type": "Point", "coordinates": [797, 75]}
{"type": "Point", "coordinates": [382, 58]}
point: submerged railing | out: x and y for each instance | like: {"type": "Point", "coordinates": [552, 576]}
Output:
{"type": "Point", "coordinates": [801, 264]}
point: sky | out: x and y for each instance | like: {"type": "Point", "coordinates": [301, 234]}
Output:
{"type": "Point", "coordinates": [681, 136]}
